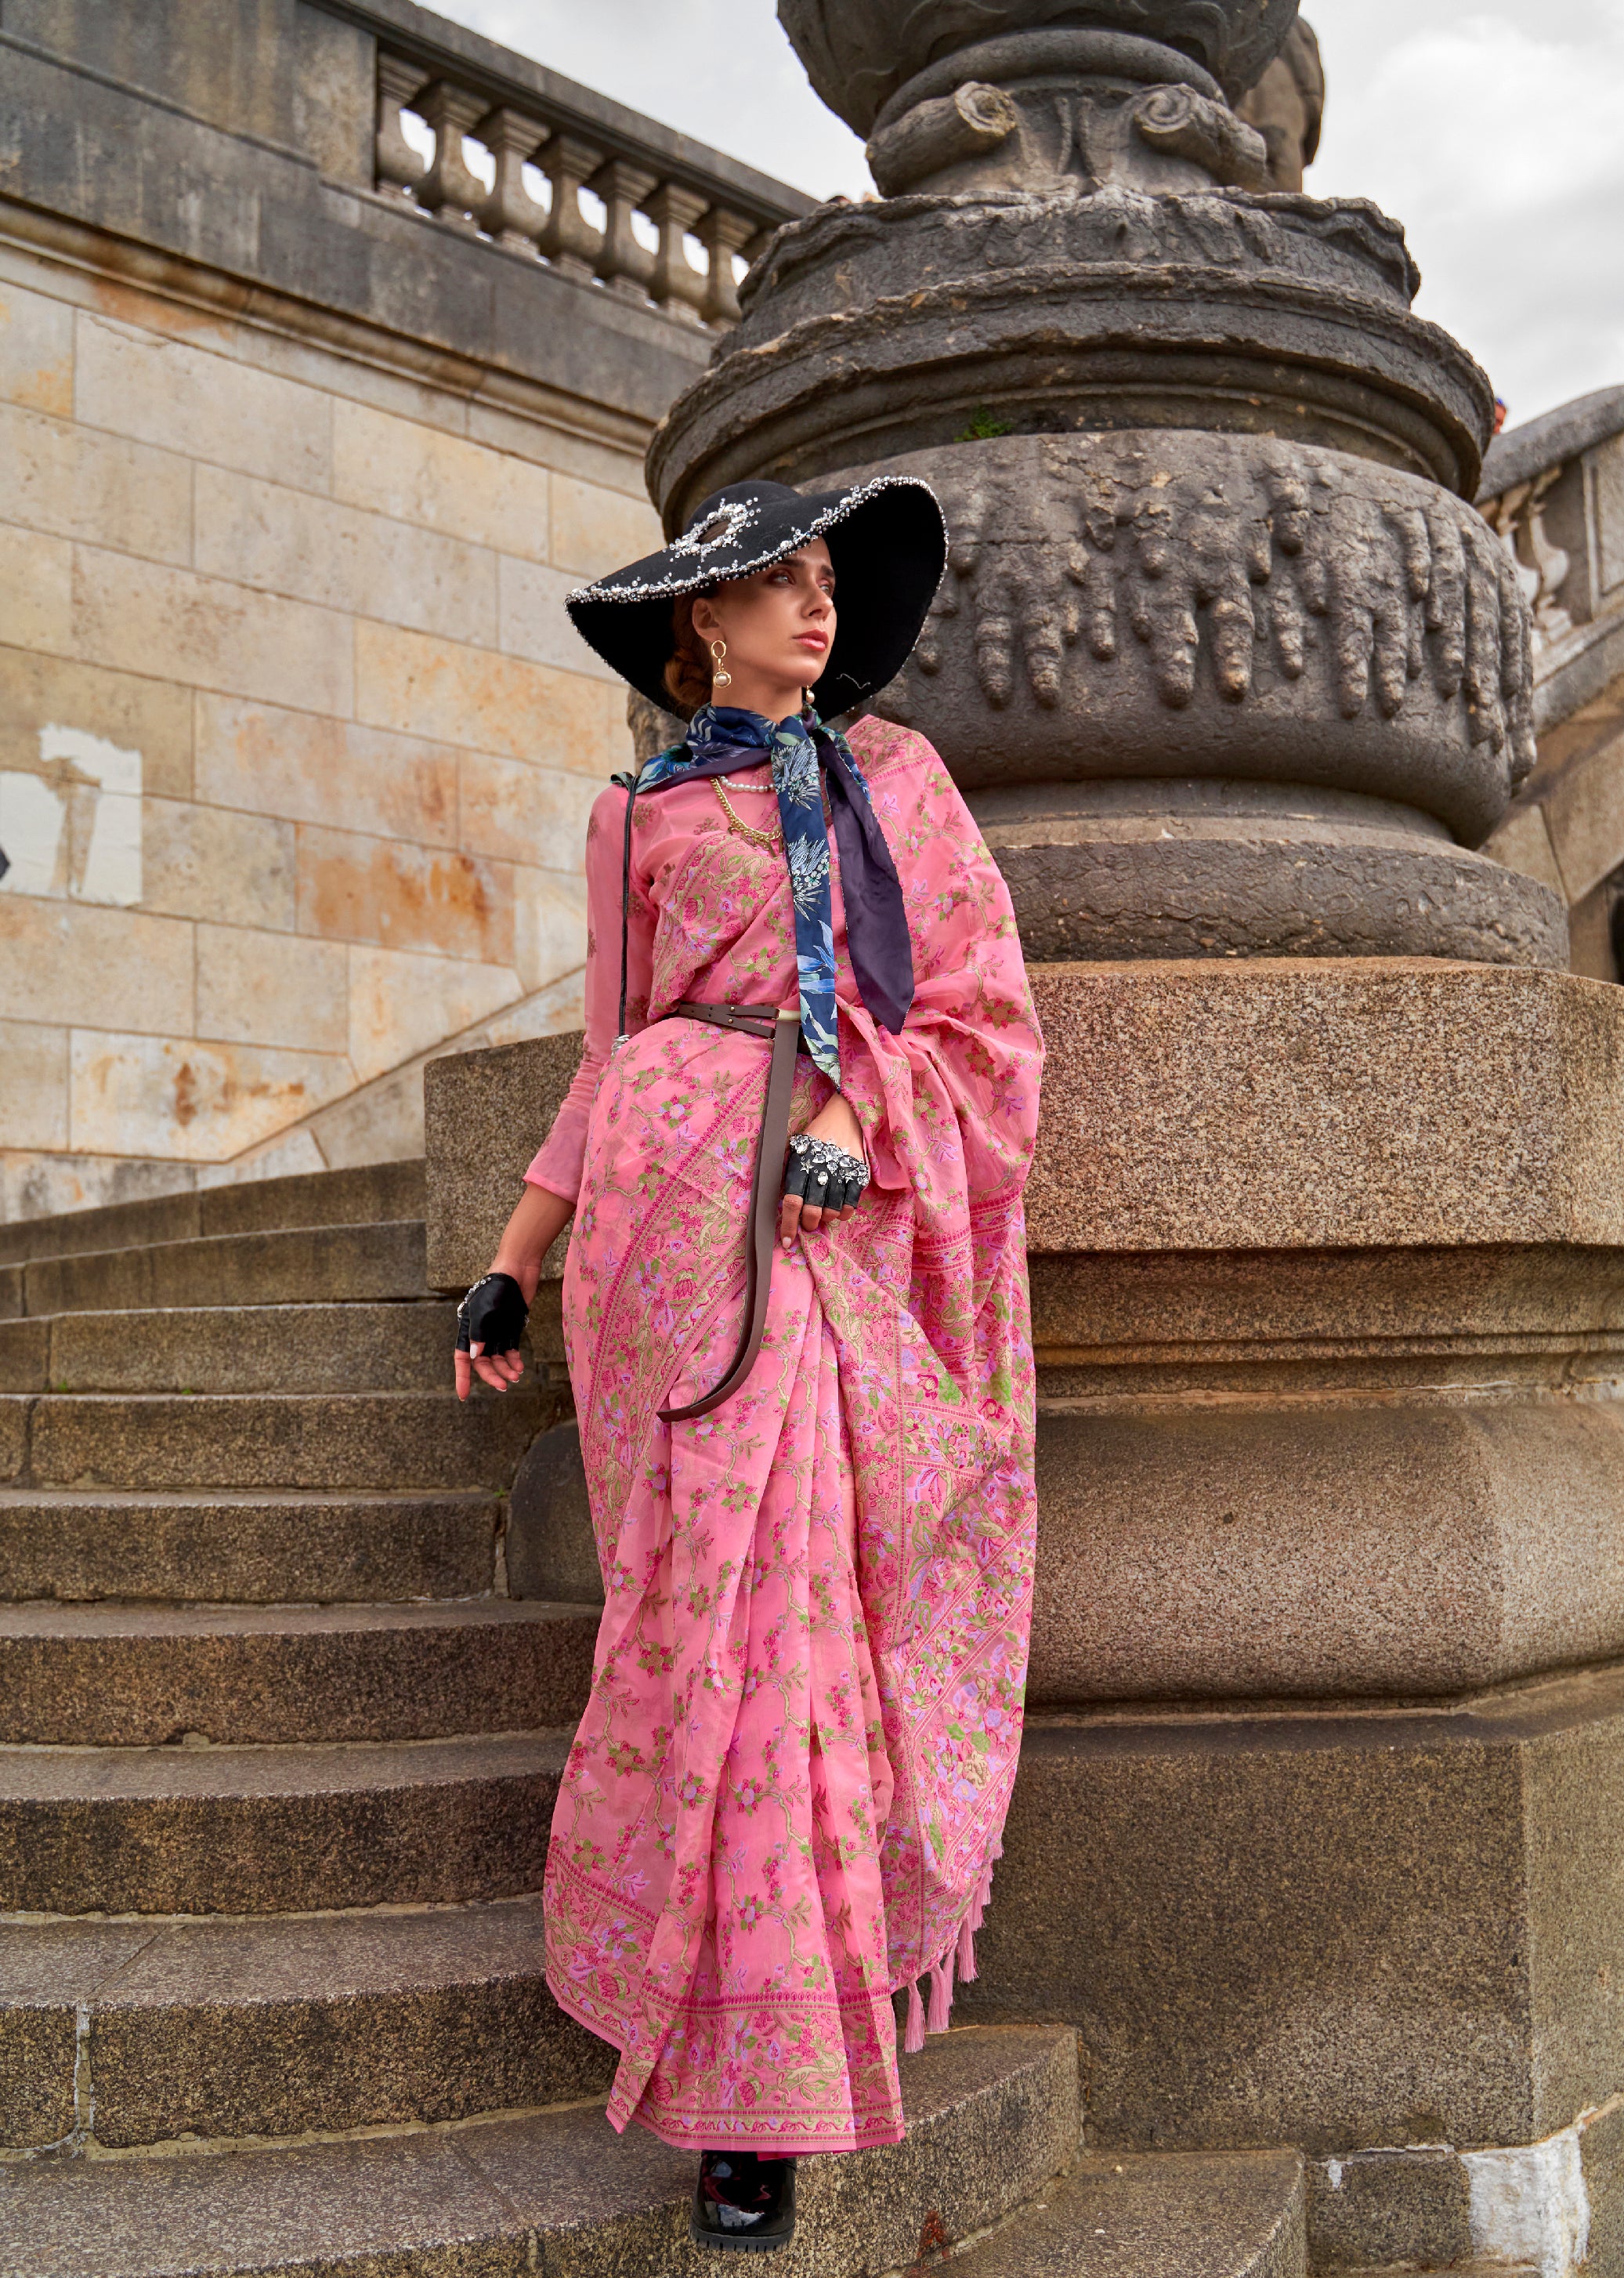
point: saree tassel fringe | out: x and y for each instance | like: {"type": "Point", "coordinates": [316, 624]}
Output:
{"type": "Point", "coordinates": [959, 1960]}
{"type": "Point", "coordinates": [941, 1995]}
{"type": "Point", "coordinates": [913, 2039]}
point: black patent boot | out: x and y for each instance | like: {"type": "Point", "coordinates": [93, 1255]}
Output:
{"type": "Point", "coordinates": [743, 2203]}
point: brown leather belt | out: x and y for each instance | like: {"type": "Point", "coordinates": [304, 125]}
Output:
{"type": "Point", "coordinates": [784, 1030]}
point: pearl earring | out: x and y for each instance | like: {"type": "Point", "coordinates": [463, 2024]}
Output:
{"type": "Point", "coordinates": [720, 676]}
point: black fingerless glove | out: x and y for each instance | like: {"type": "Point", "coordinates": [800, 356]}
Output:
{"type": "Point", "coordinates": [493, 1315]}
{"type": "Point", "coordinates": [823, 1175]}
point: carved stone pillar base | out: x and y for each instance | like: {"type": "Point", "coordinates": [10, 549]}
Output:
{"type": "Point", "coordinates": [1316, 1830]}
{"type": "Point", "coordinates": [1213, 868]}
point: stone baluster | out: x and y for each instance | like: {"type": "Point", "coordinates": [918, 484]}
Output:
{"type": "Point", "coordinates": [623, 264]}
{"type": "Point", "coordinates": [1518, 519]}
{"type": "Point", "coordinates": [510, 215]}
{"type": "Point", "coordinates": [448, 190]}
{"type": "Point", "coordinates": [678, 286]}
{"type": "Point", "coordinates": [723, 235]}
{"type": "Point", "coordinates": [398, 165]}
{"type": "Point", "coordinates": [570, 241]}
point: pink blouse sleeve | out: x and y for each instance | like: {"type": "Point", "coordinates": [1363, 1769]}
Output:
{"type": "Point", "coordinates": [557, 1165]}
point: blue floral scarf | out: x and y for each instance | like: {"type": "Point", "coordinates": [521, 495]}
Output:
{"type": "Point", "coordinates": [804, 752]}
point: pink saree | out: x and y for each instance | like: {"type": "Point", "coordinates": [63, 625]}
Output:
{"type": "Point", "coordinates": [786, 1794]}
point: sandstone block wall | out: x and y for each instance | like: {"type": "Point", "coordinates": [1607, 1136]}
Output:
{"type": "Point", "coordinates": [297, 747]}
{"type": "Point", "coordinates": [296, 742]}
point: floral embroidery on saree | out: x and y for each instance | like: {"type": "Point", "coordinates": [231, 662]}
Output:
{"type": "Point", "coordinates": [785, 1796]}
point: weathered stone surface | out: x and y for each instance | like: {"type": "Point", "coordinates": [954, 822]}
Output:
{"type": "Point", "coordinates": [268, 1267]}
{"type": "Point", "coordinates": [209, 632]}
{"type": "Point", "coordinates": [269, 2028]}
{"type": "Point", "coordinates": [1389, 1547]}
{"type": "Point", "coordinates": [1182, 2216]}
{"type": "Point", "coordinates": [485, 1114]}
{"type": "Point", "coordinates": [369, 1194]}
{"type": "Point", "coordinates": [1372, 1102]}
{"type": "Point", "coordinates": [1381, 1103]}
{"type": "Point", "coordinates": [1185, 869]}
{"type": "Point", "coordinates": [34, 1112]}
{"type": "Point", "coordinates": [192, 1102]}
{"type": "Point", "coordinates": [491, 2201]}
{"type": "Point", "coordinates": [286, 540]}
{"type": "Point", "coordinates": [1383, 2206]}
{"type": "Point", "coordinates": [1601, 2144]}
{"type": "Point", "coordinates": [363, 2210]}
{"type": "Point", "coordinates": [1305, 616]}
{"type": "Point", "coordinates": [857, 59]}
{"type": "Point", "coordinates": [406, 898]}
{"type": "Point", "coordinates": [358, 1348]}
{"type": "Point", "coordinates": [44, 1969]}
{"type": "Point", "coordinates": [258, 989]}
{"type": "Point", "coordinates": [403, 1003]}
{"type": "Point", "coordinates": [239, 870]}
{"type": "Point", "coordinates": [1193, 448]}
{"type": "Point", "coordinates": [248, 1549]}
{"type": "Point", "coordinates": [334, 772]}
{"type": "Point", "coordinates": [1287, 106]}
{"type": "Point", "coordinates": [95, 487]}
{"type": "Point", "coordinates": [990, 2117]}
{"type": "Point", "coordinates": [275, 1830]}
{"type": "Point", "coordinates": [104, 1676]}
{"type": "Point", "coordinates": [279, 1440]}
{"type": "Point", "coordinates": [36, 351]}
{"type": "Point", "coordinates": [1330, 1929]}
{"type": "Point", "coordinates": [551, 1551]}
{"type": "Point", "coordinates": [75, 963]}
{"type": "Point", "coordinates": [879, 330]}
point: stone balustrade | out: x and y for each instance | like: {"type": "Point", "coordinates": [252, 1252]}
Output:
{"type": "Point", "coordinates": [1553, 491]}
{"type": "Point", "coordinates": [542, 158]}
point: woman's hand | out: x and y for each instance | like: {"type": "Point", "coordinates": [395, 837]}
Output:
{"type": "Point", "coordinates": [838, 1124]}
{"type": "Point", "coordinates": [538, 1219]}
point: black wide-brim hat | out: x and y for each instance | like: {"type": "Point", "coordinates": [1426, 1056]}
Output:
{"type": "Point", "coordinates": [886, 538]}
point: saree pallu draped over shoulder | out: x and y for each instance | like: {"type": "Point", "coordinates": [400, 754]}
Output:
{"type": "Point", "coordinates": [788, 1792]}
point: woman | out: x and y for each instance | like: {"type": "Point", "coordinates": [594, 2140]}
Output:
{"type": "Point", "coordinates": [806, 1423]}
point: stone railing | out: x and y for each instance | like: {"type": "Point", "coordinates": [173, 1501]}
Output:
{"type": "Point", "coordinates": [565, 177]}
{"type": "Point", "coordinates": [1553, 490]}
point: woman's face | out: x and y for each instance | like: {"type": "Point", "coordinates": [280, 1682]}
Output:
{"type": "Point", "coordinates": [779, 627]}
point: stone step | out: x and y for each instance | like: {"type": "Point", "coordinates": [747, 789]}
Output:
{"type": "Point", "coordinates": [1180, 2214]}
{"type": "Point", "coordinates": [145, 1440]}
{"type": "Point", "coordinates": [104, 1677]}
{"type": "Point", "coordinates": [357, 1197]}
{"type": "Point", "coordinates": [250, 1547]}
{"type": "Point", "coordinates": [1472, 2269]}
{"type": "Point", "coordinates": [991, 2112]}
{"type": "Point", "coordinates": [204, 1830]}
{"type": "Point", "coordinates": [399, 1347]}
{"type": "Point", "coordinates": [276, 2026]}
{"type": "Point", "coordinates": [303, 1266]}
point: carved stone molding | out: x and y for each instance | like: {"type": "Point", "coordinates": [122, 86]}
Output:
{"type": "Point", "coordinates": [874, 331]}
{"type": "Point", "coordinates": [859, 53]}
{"type": "Point", "coordinates": [1226, 868]}
{"type": "Point", "coordinates": [1172, 604]}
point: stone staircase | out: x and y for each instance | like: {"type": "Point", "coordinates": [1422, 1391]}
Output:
{"type": "Point", "coordinates": [279, 1748]}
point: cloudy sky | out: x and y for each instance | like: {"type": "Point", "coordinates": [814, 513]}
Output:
{"type": "Point", "coordinates": [1490, 128]}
